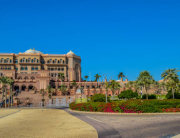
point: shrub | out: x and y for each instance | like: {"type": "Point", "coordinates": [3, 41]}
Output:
{"type": "Point", "coordinates": [128, 94]}
{"type": "Point", "coordinates": [99, 98]}
{"type": "Point", "coordinates": [151, 96]}
{"type": "Point", "coordinates": [170, 96]}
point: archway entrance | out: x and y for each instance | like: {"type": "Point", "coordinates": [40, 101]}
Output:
{"type": "Point", "coordinates": [31, 87]}
{"type": "Point", "coordinates": [16, 87]}
{"type": "Point", "coordinates": [23, 87]}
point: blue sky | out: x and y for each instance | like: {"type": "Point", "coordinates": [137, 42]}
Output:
{"type": "Point", "coordinates": [110, 36]}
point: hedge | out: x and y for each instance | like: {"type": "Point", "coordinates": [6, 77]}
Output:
{"type": "Point", "coordinates": [129, 106]}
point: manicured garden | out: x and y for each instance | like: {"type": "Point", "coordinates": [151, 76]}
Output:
{"type": "Point", "coordinates": [97, 104]}
{"type": "Point", "coordinates": [129, 106]}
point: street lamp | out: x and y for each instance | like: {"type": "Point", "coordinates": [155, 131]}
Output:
{"type": "Point", "coordinates": [81, 88]}
{"type": "Point", "coordinates": [43, 97]}
{"type": "Point", "coordinates": [102, 83]}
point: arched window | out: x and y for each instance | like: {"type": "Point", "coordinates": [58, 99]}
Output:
{"type": "Point", "coordinates": [36, 68]}
{"type": "Point", "coordinates": [19, 77]}
{"type": "Point", "coordinates": [37, 61]}
{"type": "Point", "coordinates": [48, 61]}
{"type": "Point", "coordinates": [63, 61]}
{"type": "Point", "coordinates": [6, 68]}
{"type": "Point", "coordinates": [29, 60]}
{"type": "Point", "coordinates": [55, 68]}
{"type": "Point", "coordinates": [53, 61]}
{"type": "Point", "coordinates": [52, 69]}
{"type": "Point", "coordinates": [26, 61]}
{"type": "Point", "coordinates": [32, 60]}
{"type": "Point", "coordinates": [43, 61]}
{"type": "Point", "coordinates": [22, 68]}
{"type": "Point", "coordinates": [9, 68]}
{"type": "Point", "coordinates": [16, 68]}
{"type": "Point", "coordinates": [16, 61]}
{"type": "Point", "coordinates": [58, 61]}
{"type": "Point", "coordinates": [21, 60]}
{"type": "Point", "coordinates": [49, 68]}
{"type": "Point", "coordinates": [32, 68]}
{"type": "Point", "coordinates": [58, 69]}
{"type": "Point", "coordinates": [2, 59]}
{"type": "Point", "coordinates": [5, 61]}
{"type": "Point", "coordinates": [25, 68]}
{"type": "Point", "coordinates": [10, 61]}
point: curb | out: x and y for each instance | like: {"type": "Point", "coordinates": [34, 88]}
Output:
{"type": "Point", "coordinates": [125, 113]}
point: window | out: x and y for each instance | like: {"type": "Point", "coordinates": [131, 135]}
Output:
{"type": "Point", "coordinates": [5, 61]}
{"type": "Point", "coordinates": [6, 68]}
{"type": "Point", "coordinates": [9, 68]}
{"type": "Point", "coordinates": [10, 61]}
{"type": "Point", "coordinates": [36, 68]}
{"type": "Point", "coordinates": [16, 69]}
{"type": "Point", "coordinates": [52, 69]}
{"type": "Point", "coordinates": [42, 68]}
{"type": "Point", "coordinates": [53, 62]}
{"type": "Point", "coordinates": [62, 69]}
{"type": "Point", "coordinates": [32, 68]}
{"type": "Point", "coordinates": [22, 68]}
{"type": "Point", "coordinates": [43, 62]}
{"type": "Point", "coordinates": [49, 68]}
{"type": "Point", "coordinates": [21, 60]}
{"type": "Point", "coordinates": [25, 68]}
{"type": "Point", "coordinates": [55, 68]}
{"type": "Point", "coordinates": [37, 61]}
{"type": "Point", "coordinates": [16, 61]}
{"type": "Point", "coordinates": [63, 61]}
{"type": "Point", "coordinates": [32, 60]}
{"type": "Point", "coordinates": [58, 69]}
{"type": "Point", "coordinates": [29, 60]}
{"type": "Point", "coordinates": [26, 61]}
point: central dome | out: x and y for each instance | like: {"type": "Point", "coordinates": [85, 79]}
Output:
{"type": "Point", "coordinates": [33, 51]}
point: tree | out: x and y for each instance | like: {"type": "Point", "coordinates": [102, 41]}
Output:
{"type": "Point", "coordinates": [86, 77]}
{"type": "Point", "coordinates": [128, 94]}
{"type": "Point", "coordinates": [113, 85]}
{"type": "Point", "coordinates": [156, 86]}
{"type": "Point", "coordinates": [63, 89]}
{"type": "Point", "coordinates": [10, 83]}
{"type": "Point", "coordinates": [49, 89]}
{"type": "Point", "coordinates": [162, 86]}
{"type": "Point", "coordinates": [121, 76]}
{"type": "Point", "coordinates": [136, 86]}
{"type": "Point", "coordinates": [97, 76]}
{"type": "Point", "coordinates": [145, 79]}
{"type": "Point", "coordinates": [130, 85]}
{"type": "Point", "coordinates": [74, 84]}
{"type": "Point", "coordinates": [61, 76]}
{"type": "Point", "coordinates": [4, 81]}
{"type": "Point", "coordinates": [171, 77]}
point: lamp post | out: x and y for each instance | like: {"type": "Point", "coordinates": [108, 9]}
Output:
{"type": "Point", "coordinates": [81, 88]}
{"type": "Point", "coordinates": [43, 97]}
{"type": "Point", "coordinates": [102, 83]}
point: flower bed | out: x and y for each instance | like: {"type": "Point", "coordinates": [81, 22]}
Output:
{"type": "Point", "coordinates": [129, 106]}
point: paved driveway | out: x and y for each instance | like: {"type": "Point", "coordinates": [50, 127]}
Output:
{"type": "Point", "coordinates": [132, 126]}
{"type": "Point", "coordinates": [43, 123]}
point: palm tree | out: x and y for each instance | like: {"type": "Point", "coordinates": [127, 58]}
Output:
{"type": "Point", "coordinates": [145, 79]}
{"type": "Point", "coordinates": [130, 85]}
{"type": "Point", "coordinates": [49, 89]}
{"type": "Point", "coordinates": [86, 77]}
{"type": "Point", "coordinates": [156, 86]}
{"type": "Point", "coordinates": [121, 76]}
{"type": "Point", "coordinates": [97, 76]}
{"type": "Point", "coordinates": [74, 84]}
{"type": "Point", "coordinates": [10, 82]}
{"type": "Point", "coordinates": [136, 86]}
{"type": "Point", "coordinates": [113, 86]}
{"type": "Point", "coordinates": [171, 77]}
{"type": "Point", "coordinates": [61, 76]}
{"type": "Point", "coordinates": [4, 81]}
{"type": "Point", "coordinates": [63, 89]}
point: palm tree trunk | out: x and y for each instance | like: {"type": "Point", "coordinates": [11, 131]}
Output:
{"type": "Point", "coordinates": [2, 95]}
{"type": "Point", "coordinates": [11, 95]}
{"type": "Point", "coordinates": [146, 94]}
{"type": "Point", "coordinates": [106, 95]}
{"type": "Point", "coordinates": [173, 92]}
{"type": "Point", "coordinates": [5, 96]}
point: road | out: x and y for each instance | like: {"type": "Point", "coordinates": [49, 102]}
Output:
{"type": "Point", "coordinates": [132, 126]}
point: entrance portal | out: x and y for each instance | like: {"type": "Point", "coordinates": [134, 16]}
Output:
{"type": "Point", "coordinates": [30, 87]}
{"type": "Point", "coordinates": [16, 87]}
